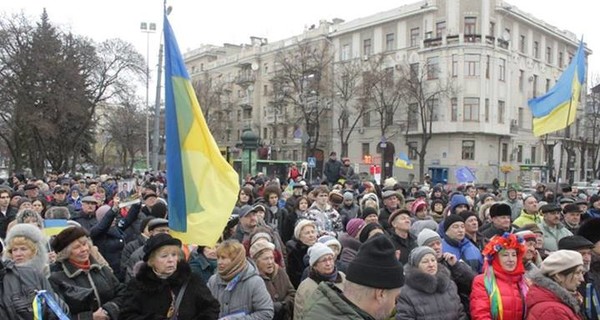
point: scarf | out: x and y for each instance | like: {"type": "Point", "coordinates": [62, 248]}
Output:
{"type": "Point", "coordinates": [238, 263]}
{"type": "Point", "coordinates": [493, 291]}
{"type": "Point", "coordinates": [81, 265]}
{"type": "Point", "coordinates": [318, 278]}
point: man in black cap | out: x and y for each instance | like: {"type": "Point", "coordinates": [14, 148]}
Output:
{"type": "Point", "coordinates": [373, 282]}
{"type": "Point", "coordinates": [553, 229]}
{"type": "Point", "coordinates": [87, 216]}
{"type": "Point", "coordinates": [572, 217]}
{"type": "Point", "coordinates": [392, 201]}
{"type": "Point", "coordinates": [332, 169]}
{"type": "Point", "coordinates": [500, 214]}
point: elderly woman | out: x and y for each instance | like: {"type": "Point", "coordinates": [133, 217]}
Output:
{"type": "Point", "coordinates": [27, 246]}
{"type": "Point", "coordinates": [322, 268]}
{"type": "Point", "coordinates": [237, 285]}
{"type": "Point", "coordinates": [499, 293]}
{"type": "Point", "coordinates": [88, 287]}
{"type": "Point", "coordinates": [305, 235]}
{"type": "Point", "coordinates": [276, 280]}
{"type": "Point", "coordinates": [165, 287]}
{"type": "Point", "coordinates": [553, 293]}
{"type": "Point", "coordinates": [429, 292]}
{"type": "Point", "coordinates": [27, 216]}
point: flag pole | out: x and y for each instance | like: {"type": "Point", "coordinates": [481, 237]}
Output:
{"type": "Point", "coordinates": [562, 150]}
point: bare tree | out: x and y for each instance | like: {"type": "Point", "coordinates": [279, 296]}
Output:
{"type": "Point", "coordinates": [350, 109]}
{"type": "Point", "coordinates": [592, 128]}
{"type": "Point", "coordinates": [213, 96]}
{"type": "Point", "coordinates": [422, 90]}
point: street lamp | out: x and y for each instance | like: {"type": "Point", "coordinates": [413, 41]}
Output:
{"type": "Point", "coordinates": [147, 28]}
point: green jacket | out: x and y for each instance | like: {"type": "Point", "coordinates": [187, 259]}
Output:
{"type": "Point", "coordinates": [553, 235]}
{"type": "Point", "coordinates": [526, 218]}
{"type": "Point", "coordinates": [328, 302]}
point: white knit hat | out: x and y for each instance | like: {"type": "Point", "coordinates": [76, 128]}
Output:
{"type": "Point", "coordinates": [559, 261]}
{"type": "Point", "coordinates": [317, 251]}
{"type": "Point", "coordinates": [300, 225]}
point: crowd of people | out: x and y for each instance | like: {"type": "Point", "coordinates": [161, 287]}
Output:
{"type": "Point", "coordinates": [293, 250]}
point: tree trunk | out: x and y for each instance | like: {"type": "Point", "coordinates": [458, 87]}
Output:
{"type": "Point", "coordinates": [344, 148]}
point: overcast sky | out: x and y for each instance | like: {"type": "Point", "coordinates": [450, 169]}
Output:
{"type": "Point", "coordinates": [217, 22]}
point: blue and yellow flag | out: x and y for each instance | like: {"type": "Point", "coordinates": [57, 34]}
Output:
{"type": "Point", "coordinates": [53, 227]}
{"type": "Point", "coordinates": [403, 161]}
{"type": "Point", "coordinates": [556, 109]}
{"type": "Point", "coordinates": [203, 187]}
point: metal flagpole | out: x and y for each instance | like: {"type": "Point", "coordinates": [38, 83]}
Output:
{"type": "Point", "coordinates": [562, 151]}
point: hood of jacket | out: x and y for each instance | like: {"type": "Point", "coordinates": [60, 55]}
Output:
{"type": "Point", "coordinates": [424, 282]}
{"type": "Point", "coordinates": [457, 200]}
{"type": "Point", "coordinates": [551, 291]}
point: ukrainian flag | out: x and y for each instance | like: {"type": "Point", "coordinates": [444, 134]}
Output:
{"type": "Point", "coordinates": [202, 186]}
{"type": "Point", "coordinates": [403, 161]}
{"type": "Point", "coordinates": [53, 227]}
{"type": "Point", "coordinates": [557, 108]}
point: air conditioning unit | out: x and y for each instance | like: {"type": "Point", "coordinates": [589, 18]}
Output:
{"type": "Point", "coordinates": [361, 130]}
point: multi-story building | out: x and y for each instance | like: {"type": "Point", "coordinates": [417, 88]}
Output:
{"type": "Point", "coordinates": [480, 61]}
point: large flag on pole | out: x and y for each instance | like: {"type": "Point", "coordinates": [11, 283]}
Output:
{"type": "Point", "coordinates": [556, 109]}
{"type": "Point", "coordinates": [403, 161]}
{"type": "Point", "coordinates": [202, 186]}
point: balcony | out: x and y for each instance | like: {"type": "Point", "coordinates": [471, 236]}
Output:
{"type": "Point", "coordinates": [245, 102]}
{"type": "Point", "coordinates": [245, 78]}
{"type": "Point", "coordinates": [472, 38]}
{"type": "Point", "coordinates": [433, 42]}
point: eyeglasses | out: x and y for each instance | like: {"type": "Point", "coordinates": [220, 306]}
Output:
{"type": "Point", "coordinates": [326, 259]}
{"type": "Point", "coordinates": [4, 197]}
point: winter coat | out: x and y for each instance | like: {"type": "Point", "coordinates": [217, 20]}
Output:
{"type": "Point", "coordinates": [110, 242]}
{"type": "Point", "coordinates": [288, 224]}
{"type": "Point", "coordinates": [130, 265]}
{"type": "Point", "coordinates": [248, 299]}
{"type": "Point", "coordinates": [516, 206]}
{"type": "Point", "coordinates": [553, 235]}
{"type": "Point", "coordinates": [513, 301]}
{"type": "Point", "coordinates": [347, 172]}
{"type": "Point", "coordinates": [133, 220]}
{"type": "Point", "coordinates": [590, 214]}
{"type": "Point", "coordinates": [296, 250]}
{"type": "Point", "coordinates": [17, 291]}
{"type": "Point", "coordinates": [350, 248]}
{"type": "Point", "coordinates": [348, 213]}
{"type": "Point", "coordinates": [462, 275]}
{"type": "Point", "coordinates": [306, 290]}
{"type": "Point", "coordinates": [328, 220]}
{"type": "Point", "coordinates": [6, 218]}
{"type": "Point", "coordinates": [128, 250]}
{"type": "Point", "coordinates": [429, 297]}
{"type": "Point", "coordinates": [87, 221]}
{"type": "Point", "coordinates": [404, 245]}
{"type": "Point", "coordinates": [492, 231]}
{"type": "Point", "coordinates": [149, 297]}
{"type": "Point", "coordinates": [546, 299]}
{"type": "Point", "coordinates": [589, 287]}
{"type": "Point", "coordinates": [464, 250]}
{"type": "Point", "coordinates": [526, 218]}
{"type": "Point", "coordinates": [86, 291]}
{"type": "Point", "coordinates": [328, 302]}
{"type": "Point", "coordinates": [282, 293]}
{"type": "Point", "coordinates": [332, 170]}
{"type": "Point", "coordinates": [202, 266]}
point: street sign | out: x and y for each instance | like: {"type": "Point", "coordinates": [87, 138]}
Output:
{"type": "Point", "coordinates": [312, 162]}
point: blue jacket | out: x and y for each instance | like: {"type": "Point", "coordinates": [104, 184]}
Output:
{"type": "Point", "coordinates": [464, 250]}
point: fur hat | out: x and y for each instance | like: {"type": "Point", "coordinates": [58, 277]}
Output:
{"type": "Point", "coordinates": [300, 225]}
{"type": "Point", "coordinates": [67, 236]}
{"type": "Point", "coordinates": [159, 240]}
{"type": "Point", "coordinates": [316, 251]}
{"type": "Point", "coordinates": [559, 261]}
{"type": "Point", "coordinates": [500, 209]}
{"type": "Point", "coordinates": [36, 236]}
{"type": "Point", "coordinates": [336, 197]}
{"type": "Point", "coordinates": [376, 266]}
{"type": "Point", "coordinates": [590, 230]}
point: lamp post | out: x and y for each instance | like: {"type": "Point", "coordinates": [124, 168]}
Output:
{"type": "Point", "coordinates": [147, 28]}
{"type": "Point", "coordinates": [382, 146]}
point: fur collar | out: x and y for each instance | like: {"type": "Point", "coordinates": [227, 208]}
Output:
{"type": "Point", "coordinates": [147, 280]}
{"type": "Point", "coordinates": [427, 283]}
{"type": "Point", "coordinates": [561, 293]}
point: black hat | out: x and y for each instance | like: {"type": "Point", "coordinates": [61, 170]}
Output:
{"type": "Point", "coordinates": [500, 209]}
{"type": "Point", "coordinates": [364, 233]}
{"type": "Point", "coordinates": [67, 236]}
{"type": "Point", "coordinates": [564, 200]}
{"type": "Point", "coordinates": [574, 243]}
{"type": "Point", "coordinates": [590, 230]}
{"type": "Point", "coordinates": [567, 189]}
{"type": "Point", "coordinates": [467, 214]}
{"type": "Point", "coordinates": [59, 189]}
{"type": "Point", "coordinates": [30, 186]}
{"type": "Point", "coordinates": [376, 266]}
{"type": "Point", "coordinates": [157, 241]}
{"type": "Point", "coordinates": [571, 208]}
{"type": "Point", "coordinates": [550, 208]}
{"type": "Point", "coordinates": [369, 211]}
{"type": "Point", "coordinates": [451, 219]}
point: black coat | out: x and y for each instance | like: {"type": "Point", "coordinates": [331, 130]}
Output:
{"type": "Point", "coordinates": [404, 245]}
{"type": "Point", "coordinates": [76, 288]}
{"type": "Point", "coordinates": [110, 242]}
{"type": "Point", "coordinates": [296, 250]}
{"type": "Point", "coordinates": [149, 297]}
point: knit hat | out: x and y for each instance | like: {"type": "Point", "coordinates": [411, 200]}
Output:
{"type": "Point", "coordinates": [418, 253]}
{"type": "Point", "coordinates": [564, 200]}
{"type": "Point", "coordinates": [467, 214]}
{"type": "Point", "coordinates": [316, 251]}
{"type": "Point", "coordinates": [348, 195]}
{"type": "Point", "coordinates": [559, 261]}
{"type": "Point", "coordinates": [330, 241]}
{"type": "Point", "coordinates": [159, 240]}
{"type": "Point", "coordinates": [451, 219]}
{"type": "Point", "coordinates": [101, 212]}
{"type": "Point", "coordinates": [369, 211]}
{"type": "Point", "coordinates": [300, 225]}
{"type": "Point", "coordinates": [364, 233]}
{"type": "Point", "coordinates": [426, 237]}
{"type": "Point", "coordinates": [574, 243]}
{"type": "Point", "coordinates": [259, 246]}
{"type": "Point", "coordinates": [590, 230]}
{"type": "Point", "coordinates": [397, 213]}
{"type": "Point", "coordinates": [157, 222]}
{"type": "Point", "coordinates": [417, 205]}
{"type": "Point", "coordinates": [527, 235]}
{"type": "Point", "coordinates": [419, 225]}
{"type": "Point", "coordinates": [67, 236]}
{"type": "Point", "coordinates": [376, 266]}
{"type": "Point", "coordinates": [354, 226]}
{"type": "Point", "coordinates": [500, 209]}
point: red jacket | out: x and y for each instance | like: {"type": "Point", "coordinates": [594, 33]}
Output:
{"type": "Point", "coordinates": [513, 302]}
{"type": "Point", "coordinates": [547, 300]}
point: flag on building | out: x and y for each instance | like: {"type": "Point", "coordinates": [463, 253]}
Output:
{"type": "Point", "coordinates": [403, 161]}
{"type": "Point", "coordinates": [556, 109]}
{"type": "Point", "coordinates": [53, 227]}
{"type": "Point", "coordinates": [202, 186]}
{"type": "Point", "coordinates": [464, 175]}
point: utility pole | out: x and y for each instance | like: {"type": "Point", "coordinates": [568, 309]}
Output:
{"type": "Point", "coordinates": [156, 136]}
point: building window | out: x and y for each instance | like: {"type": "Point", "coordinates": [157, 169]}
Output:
{"type": "Point", "coordinates": [470, 25]}
{"type": "Point", "coordinates": [472, 68]}
{"type": "Point", "coordinates": [560, 59]}
{"type": "Point", "coordinates": [265, 90]}
{"type": "Point", "coordinates": [413, 117]}
{"type": "Point", "coordinates": [366, 149]}
{"type": "Point", "coordinates": [502, 69]}
{"type": "Point", "coordinates": [433, 109]}
{"type": "Point", "coordinates": [390, 42]}
{"type": "Point", "coordinates": [492, 30]}
{"type": "Point", "coordinates": [468, 149]}
{"type": "Point", "coordinates": [533, 155]}
{"type": "Point", "coordinates": [504, 152]}
{"type": "Point", "coordinates": [366, 119]}
{"type": "Point", "coordinates": [453, 110]}
{"type": "Point", "coordinates": [522, 44]}
{"type": "Point", "coordinates": [471, 110]}
{"type": "Point", "coordinates": [239, 115]}
{"type": "Point", "coordinates": [266, 68]}
{"type": "Point", "coordinates": [521, 80]}
{"type": "Point", "coordinates": [367, 47]}
{"type": "Point", "coordinates": [345, 53]}
{"type": "Point", "coordinates": [521, 117]}
{"type": "Point", "coordinates": [487, 66]}
{"type": "Point", "coordinates": [414, 71]}
{"type": "Point", "coordinates": [412, 150]}
{"type": "Point", "coordinates": [440, 29]}
{"type": "Point", "coordinates": [295, 155]}
{"type": "Point", "coordinates": [486, 110]}
{"type": "Point", "coordinates": [265, 133]}
{"type": "Point", "coordinates": [547, 85]}
{"type": "Point", "coordinates": [433, 68]}
{"type": "Point", "coordinates": [519, 153]}
{"type": "Point", "coordinates": [414, 37]}
{"type": "Point", "coordinates": [536, 49]}
{"type": "Point", "coordinates": [549, 55]}
{"type": "Point", "coordinates": [455, 65]}
{"type": "Point", "coordinates": [535, 85]}
{"type": "Point", "coordinates": [501, 111]}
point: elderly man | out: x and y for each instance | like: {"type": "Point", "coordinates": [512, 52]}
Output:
{"type": "Point", "coordinates": [391, 202]}
{"type": "Point", "coordinates": [400, 235]}
{"type": "Point", "coordinates": [500, 214]}
{"type": "Point", "coordinates": [572, 217]}
{"type": "Point", "coordinates": [373, 283]}
{"type": "Point", "coordinates": [529, 214]}
{"type": "Point", "coordinates": [87, 216]}
{"type": "Point", "coordinates": [553, 229]}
